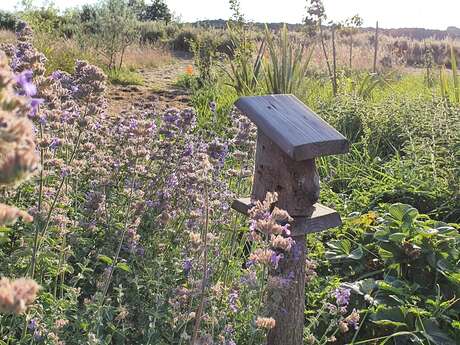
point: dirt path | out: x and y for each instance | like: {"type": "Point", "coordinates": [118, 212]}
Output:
{"type": "Point", "coordinates": [157, 93]}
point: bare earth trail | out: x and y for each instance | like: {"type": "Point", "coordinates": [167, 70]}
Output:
{"type": "Point", "coordinates": [157, 93]}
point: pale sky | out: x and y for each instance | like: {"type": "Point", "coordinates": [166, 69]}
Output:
{"type": "Point", "coordinates": [438, 14]}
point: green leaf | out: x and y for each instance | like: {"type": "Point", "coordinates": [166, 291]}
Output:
{"type": "Point", "coordinates": [391, 317]}
{"type": "Point", "coordinates": [362, 287]}
{"type": "Point", "coordinates": [357, 254]}
{"type": "Point", "coordinates": [389, 323]}
{"type": "Point", "coordinates": [397, 237]}
{"type": "Point", "coordinates": [455, 324]}
{"type": "Point", "coordinates": [431, 331]}
{"type": "Point", "coordinates": [4, 229]}
{"type": "Point", "coordinates": [105, 259]}
{"type": "Point", "coordinates": [123, 266]}
{"type": "Point", "coordinates": [385, 254]}
{"type": "Point", "coordinates": [403, 212]}
{"type": "Point", "coordinates": [381, 234]}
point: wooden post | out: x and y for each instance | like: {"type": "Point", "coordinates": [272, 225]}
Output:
{"type": "Point", "coordinates": [286, 301]}
{"type": "Point", "coordinates": [289, 138]}
{"type": "Point", "coordinates": [376, 46]}
{"type": "Point", "coordinates": [334, 61]}
{"type": "Point", "coordinates": [297, 187]}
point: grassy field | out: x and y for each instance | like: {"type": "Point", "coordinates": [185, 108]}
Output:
{"type": "Point", "coordinates": [122, 151]}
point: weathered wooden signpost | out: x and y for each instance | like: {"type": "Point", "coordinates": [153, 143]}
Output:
{"type": "Point", "coordinates": [289, 137]}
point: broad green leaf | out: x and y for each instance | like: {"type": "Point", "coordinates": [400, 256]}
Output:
{"type": "Point", "coordinates": [392, 317]}
{"type": "Point", "coordinates": [385, 254]}
{"type": "Point", "coordinates": [123, 266]}
{"type": "Point", "coordinates": [381, 234]}
{"type": "Point", "coordinates": [397, 237]}
{"type": "Point", "coordinates": [403, 212]}
{"type": "Point", "coordinates": [105, 259]}
{"type": "Point", "coordinates": [431, 331]}
{"type": "Point", "coordinates": [362, 287]}
{"type": "Point", "coordinates": [357, 254]}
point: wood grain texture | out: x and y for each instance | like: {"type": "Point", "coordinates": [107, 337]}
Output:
{"type": "Point", "coordinates": [321, 217]}
{"type": "Point", "coordinates": [286, 296]}
{"type": "Point", "coordinates": [296, 129]}
{"type": "Point", "coordinates": [296, 182]}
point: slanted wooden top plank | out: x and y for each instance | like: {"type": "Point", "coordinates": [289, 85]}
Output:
{"type": "Point", "coordinates": [296, 129]}
{"type": "Point", "coordinates": [321, 218]}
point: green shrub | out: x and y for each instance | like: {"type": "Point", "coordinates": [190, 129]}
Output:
{"type": "Point", "coordinates": [402, 269]}
{"type": "Point", "coordinates": [8, 21]}
{"type": "Point", "coordinates": [152, 32]}
{"type": "Point", "coordinates": [183, 40]}
{"type": "Point", "coordinates": [45, 20]}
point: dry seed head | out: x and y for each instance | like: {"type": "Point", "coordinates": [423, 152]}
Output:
{"type": "Point", "coordinates": [17, 295]}
{"type": "Point", "coordinates": [265, 322]}
{"type": "Point", "coordinates": [281, 215]}
{"type": "Point", "coordinates": [262, 256]}
{"type": "Point", "coordinates": [284, 243]}
{"type": "Point", "coordinates": [9, 215]}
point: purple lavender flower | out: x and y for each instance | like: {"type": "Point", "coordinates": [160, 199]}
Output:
{"type": "Point", "coordinates": [65, 171]}
{"type": "Point", "coordinates": [187, 267]}
{"type": "Point", "coordinates": [275, 259]}
{"type": "Point", "coordinates": [55, 143]}
{"type": "Point", "coordinates": [213, 106]}
{"type": "Point", "coordinates": [188, 151]}
{"type": "Point", "coordinates": [34, 103]}
{"type": "Point", "coordinates": [171, 116]}
{"type": "Point", "coordinates": [42, 119]}
{"type": "Point", "coordinates": [32, 326]}
{"type": "Point", "coordinates": [25, 82]}
{"type": "Point", "coordinates": [56, 75]}
{"type": "Point", "coordinates": [37, 335]}
{"type": "Point", "coordinates": [342, 296]}
{"type": "Point", "coordinates": [232, 300]}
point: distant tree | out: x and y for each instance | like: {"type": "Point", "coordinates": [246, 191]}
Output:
{"type": "Point", "coordinates": [7, 21]}
{"type": "Point", "coordinates": [87, 14]}
{"type": "Point", "coordinates": [316, 14]}
{"type": "Point", "coordinates": [158, 10]}
{"type": "Point", "coordinates": [350, 28]}
{"type": "Point", "coordinates": [113, 29]}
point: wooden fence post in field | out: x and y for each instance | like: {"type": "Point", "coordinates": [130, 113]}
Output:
{"type": "Point", "coordinates": [376, 46]}
{"type": "Point", "coordinates": [290, 137]}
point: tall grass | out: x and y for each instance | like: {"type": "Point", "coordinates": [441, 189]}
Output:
{"type": "Point", "coordinates": [287, 63]}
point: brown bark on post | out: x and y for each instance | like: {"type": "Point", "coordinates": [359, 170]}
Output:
{"type": "Point", "coordinates": [290, 137]}
{"type": "Point", "coordinates": [286, 297]}
{"type": "Point", "coordinates": [297, 183]}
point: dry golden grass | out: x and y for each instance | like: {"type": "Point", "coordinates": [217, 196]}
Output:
{"type": "Point", "coordinates": [7, 36]}
{"type": "Point", "coordinates": [146, 56]}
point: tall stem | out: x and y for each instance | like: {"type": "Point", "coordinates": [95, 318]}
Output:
{"type": "Point", "coordinates": [40, 234]}
{"type": "Point", "coordinates": [334, 62]}
{"type": "Point", "coordinates": [205, 268]}
{"type": "Point", "coordinates": [120, 244]}
{"type": "Point", "coordinates": [40, 201]}
{"type": "Point", "coordinates": [323, 45]}
{"type": "Point", "coordinates": [351, 50]}
{"type": "Point", "coordinates": [376, 46]}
